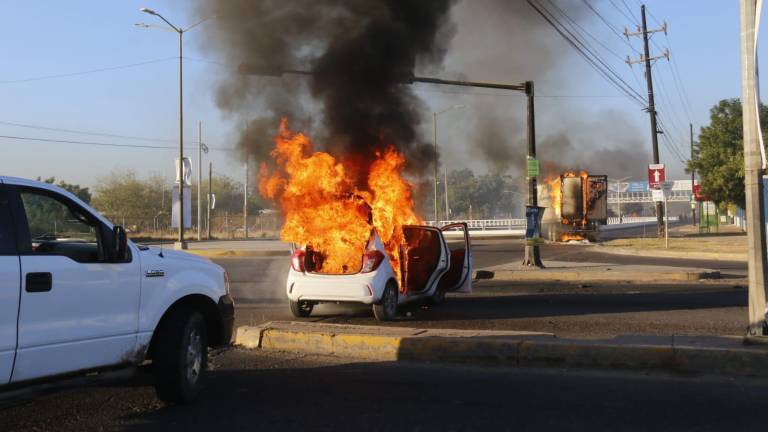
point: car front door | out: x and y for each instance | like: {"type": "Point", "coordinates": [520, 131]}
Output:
{"type": "Point", "coordinates": [458, 278]}
{"type": "Point", "coordinates": [79, 306]}
{"type": "Point", "coordinates": [10, 289]}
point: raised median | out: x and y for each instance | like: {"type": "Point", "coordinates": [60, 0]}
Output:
{"type": "Point", "coordinates": [687, 354]}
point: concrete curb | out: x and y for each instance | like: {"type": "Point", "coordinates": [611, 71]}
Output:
{"type": "Point", "coordinates": [721, 356]}
{"type": "Point", "coordinates": [225, 253]}
{"type": "Point", "coordinates": [596, 276]}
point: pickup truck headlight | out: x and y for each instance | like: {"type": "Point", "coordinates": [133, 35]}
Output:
{"type": "Point", "coordinates": [226, 282]}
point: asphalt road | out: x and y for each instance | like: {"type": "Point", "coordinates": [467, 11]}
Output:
{"type": "Point", "coordinates": [566, 309]}
{"type": "Point", "coordinates": [252, 390]}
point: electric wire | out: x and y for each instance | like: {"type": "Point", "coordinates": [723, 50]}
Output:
{"type": "Point", "coordinates": [81, 132]}
{"type": "Point", "coordinates": [578, 46]}
{"type": "Point", "coordinates": [86, 72]}
{"type": "Point", "coordinates": [100, 144]}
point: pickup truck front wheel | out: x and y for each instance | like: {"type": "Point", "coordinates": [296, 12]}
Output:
{"type": "Point", "coordinates": [180, 357]}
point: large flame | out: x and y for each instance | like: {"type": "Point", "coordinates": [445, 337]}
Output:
{"type": "Point", "coordinates": [324, 210]}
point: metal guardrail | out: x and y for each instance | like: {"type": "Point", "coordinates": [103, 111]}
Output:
{"type": "Point", "coordinates": [508, 224]}
{"type": "Point", "coordinates": [645, 197]}
{"type": "Point", "coordinates": [637, 219]}
{"type": "Point", "coordinates": [484, 224]}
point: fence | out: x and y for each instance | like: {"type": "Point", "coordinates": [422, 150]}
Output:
{"type": "Point", "coordinates": [224, 226]}
{"type": "Point", "coordinates": [637, 219]}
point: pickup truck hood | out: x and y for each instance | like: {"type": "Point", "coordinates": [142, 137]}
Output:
{"type": "Point", "coordinates": [172, 255]}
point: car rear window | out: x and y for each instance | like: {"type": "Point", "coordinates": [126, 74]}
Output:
{"type": "Point", "coordinates": [7, 237]}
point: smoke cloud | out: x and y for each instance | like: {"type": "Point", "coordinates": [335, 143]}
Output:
{"type": "Point", "coordinates": [359, 52]}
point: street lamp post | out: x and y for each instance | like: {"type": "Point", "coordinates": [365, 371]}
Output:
{"type": "Point", "coordinates": [434, 127]}
{"type": "Point", "coordinates": [181, 244]}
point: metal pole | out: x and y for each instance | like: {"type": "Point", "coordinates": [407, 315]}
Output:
{"type": "Point", "coordinates": [693, 176]}
{"type": "Point", "coordinates": [182, 244]}
{"type": "Point", "coordinates": [434, 127]}
{"type": "Point", "coordinates": [445, 189]}
{"type": "Point", "coordinates": [199, 180]}
{"type": "Point", "coordinates": [532, 254]}
{"type": "Point", "coordinates": [245, 201]}
{"type": "Point", "coordinates": [753, 171]}
{"type": "Point", "coordinates": [210, 196]}
{"type": "Point", "coordinates": [652, 113]}
{"type": "Point", "coordinates": [666, 223]}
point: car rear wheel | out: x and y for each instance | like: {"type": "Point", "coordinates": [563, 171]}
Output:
{"type": "Point", "coordinates": [180, 356]}
{"type": "Point", "coordinates": [301, 309]}
{"type": "Point", "coordinates": [386, 309]}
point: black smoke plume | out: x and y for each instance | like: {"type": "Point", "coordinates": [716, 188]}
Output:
{"type": "Point", "coordinates": [360, 54]}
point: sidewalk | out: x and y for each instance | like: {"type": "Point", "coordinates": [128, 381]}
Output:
{"type": "Point", "coordinates": [593, 272]}
{"type": "Point", "coordinates": [239, 248]}
{"type": "Point", "coordinates": [729, 244]}
{"type": "Point", "coordinates": [687, 354]}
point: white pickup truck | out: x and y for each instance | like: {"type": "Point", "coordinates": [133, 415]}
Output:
{"type": "Point", "coordinates": [77, 296]}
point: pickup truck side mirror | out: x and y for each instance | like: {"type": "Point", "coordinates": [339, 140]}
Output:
{"type": "Point", "coordinates": [119, 243]}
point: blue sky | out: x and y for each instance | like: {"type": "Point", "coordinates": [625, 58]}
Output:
{"type": "Point", "coordinates": [41, 39]}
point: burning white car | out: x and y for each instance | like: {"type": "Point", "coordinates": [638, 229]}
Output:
{"type": "Point", "coordinates": [429, 267]}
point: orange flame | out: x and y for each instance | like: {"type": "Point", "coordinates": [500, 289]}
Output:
{"type": "Point", "coordinates": [323, 209]}
{"type": "Point", "coordinates": [570, 236]}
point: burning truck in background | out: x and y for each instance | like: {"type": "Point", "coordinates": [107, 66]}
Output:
{"type": "Point", "coordinates": [579, 205]}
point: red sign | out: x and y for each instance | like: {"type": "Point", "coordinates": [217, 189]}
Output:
{"type": "Point", "coordinates": [656, 175]}
{"type": "Point", "coordinates": [697, 195]}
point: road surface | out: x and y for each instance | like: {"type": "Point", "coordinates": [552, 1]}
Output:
{"type": "Point", "coordinates": [567, 309]}
{"type": "Point", "coordinates": [252, 390]}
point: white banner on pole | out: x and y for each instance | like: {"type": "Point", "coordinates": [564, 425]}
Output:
{"type": "Point", "coordinates": [187, 172]}
{"type": "Point", "coordinates": [187, 207]}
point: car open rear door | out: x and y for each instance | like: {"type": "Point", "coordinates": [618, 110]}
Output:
{"type": "Point", "coordinates": [458, 278]}
{"type": "Point", "coordinates": [425, 258]}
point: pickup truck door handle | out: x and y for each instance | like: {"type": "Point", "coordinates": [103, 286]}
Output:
{"type": "Point", "coordinates": [154, 273]}
{"type": "Point", "coordinates": [39, 282]}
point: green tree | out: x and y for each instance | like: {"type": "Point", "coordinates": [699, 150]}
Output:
{"type": "Point", "coordinates": [719, 159]}
{"type": "Point", "coordinates": [75, 189]}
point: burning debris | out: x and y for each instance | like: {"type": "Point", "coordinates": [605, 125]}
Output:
{"type": "Point", "coordinates": [326, 210]}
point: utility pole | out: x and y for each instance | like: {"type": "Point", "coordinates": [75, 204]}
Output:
{"type": "Point", "coordinates": [199, 180]}
{"type": "Point", "coordinates": [245, 201]}
{"type": "Point", "coordinates": [646, 58]}
{"type": "Point", "coordinates": [754, 166]}
{"type": "Point", "coordinates": [445, 189]}
{"type": "Point", "coordinates": [693, 176]}
{"type": "Point", "coordinates": [210, 196]}
{"type": "Point", "coordinates": [532, 253]}
{"type": "Point", "coordinates": [434, 135]}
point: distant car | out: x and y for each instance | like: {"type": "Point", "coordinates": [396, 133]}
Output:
{"type": "Point", "coordinates": [430, 267]}
{"type": "Point", "coordinates": [76, 296]}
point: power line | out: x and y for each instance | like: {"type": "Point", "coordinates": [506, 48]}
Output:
{"type": "Point", "coordinates": [99, 144]}
{"type": "Point", "coordinates": [86, 72]}
{"type": "Point", "coordinates": [588, 47]}
{"type": "Point", "coordinates": [593, 59]}
{"type": "Point", "coordinates": [610, 26]}
{"type": "Point", "coordinates": [80, 132]}
{"type": "Point", "coordinates": [628, 17]}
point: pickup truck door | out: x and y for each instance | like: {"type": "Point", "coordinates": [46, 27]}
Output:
{"type": "Point", "coordinates": [458, 278]}
{"type": "Point", "coordinates": [10, 288]}
{"type": "Point", "coordinates": [79, 308]}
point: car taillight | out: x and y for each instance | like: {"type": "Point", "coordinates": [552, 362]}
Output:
{"type": "Point", "coordinates": [297, 260]}
{"type": "Point", "coordinates": [371, 261]}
